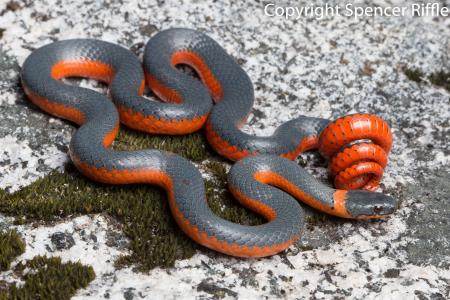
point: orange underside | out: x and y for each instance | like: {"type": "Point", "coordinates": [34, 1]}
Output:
{"type": "Point", "coordinates": [274, 179]}
{"type": "Point", "coordinates": [339, 197]}
{"type": "Point", "coordinates": [351, 128]}
{"type": "Point", "coordinates": [105, 73]}
{"type": "Point", "coordinates": [59, 110]}
{"type": "Point", "coordinates": [164, 180]}
{"type": "Point", "coordinates": [198, 64]}
{"type": "Point", "coordinates": [350, 166]}
{"type": "Point", "coordinates": [138, 121]}
{"type": "Point", "coordinates": [82, 68]}
{"type": "Point", "coordinates": [356, 154]}
{"type": "Point", "coordinates": [234, 153]}
{"type": "Point", "coordinates": [358, 167]}
{"type": "Point", "coordinates": [305, 144]}
{"type": "Point", "coordinates": [109, 138]}
{"type": "Point", "coordinates": [363, 174]}
{"type": "Point", "coordinates": [223, 147]}
{"type": "Point", "coordinates": [266, 211]}
{"type": "Point", "coordinates": [163, 92]}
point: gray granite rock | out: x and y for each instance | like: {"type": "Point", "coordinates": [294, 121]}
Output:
{"type": "Point", "coordinates": [328, 68]}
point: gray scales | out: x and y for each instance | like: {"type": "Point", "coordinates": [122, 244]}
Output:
{"type": "Point", "coordinates": [101, 117]}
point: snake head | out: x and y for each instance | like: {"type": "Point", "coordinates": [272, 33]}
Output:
{"type": "Point", "coordinates": [364, 204]}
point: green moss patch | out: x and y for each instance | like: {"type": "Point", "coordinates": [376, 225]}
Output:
{"type": "Point", "coordinates": [441, 78]}
{"type": "Point", "coordinates": [155, 239]}
{"type": "Point", "coordinates": [414, 74]}
{"type": "Point", "coordinates": [47, 278]}
{"type": "Point", "coordinates": [222, 202]}
{"type": "Point", "coordinates": [192, 147]}
{"type": "Point", "coordinates": [11, 246]}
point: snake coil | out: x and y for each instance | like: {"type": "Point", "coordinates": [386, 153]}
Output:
{"type": "Point", "coordinates": [357, 147]}
{"type": "Point", "coordinates": [260, 180]}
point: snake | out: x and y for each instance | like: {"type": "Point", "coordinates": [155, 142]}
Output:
{"type": "Point", "coordinates": [264, 178]}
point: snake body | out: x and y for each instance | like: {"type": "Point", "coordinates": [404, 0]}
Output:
{"type": "Point", "coordinates": [265, 183]}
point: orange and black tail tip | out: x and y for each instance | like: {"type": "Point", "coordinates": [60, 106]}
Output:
{"type": "Point", "coordinates": [357, 147]}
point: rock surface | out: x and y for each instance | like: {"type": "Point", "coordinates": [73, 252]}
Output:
{"type": "Point", "coordinates": [327, 68]}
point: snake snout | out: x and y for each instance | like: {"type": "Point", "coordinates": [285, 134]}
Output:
{"type": "Point", "coordinates": [357, 147]}
{"type": "Point", "coordinates": [363, 204]}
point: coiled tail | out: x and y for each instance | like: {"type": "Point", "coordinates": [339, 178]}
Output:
{"type": "Point", "coordinates": [357, 147]}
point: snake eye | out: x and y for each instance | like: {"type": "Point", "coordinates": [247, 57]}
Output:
{"type": "Point", "coordinates": [362, 203]}
{"type": "Point", "coordinates": [377, 209]}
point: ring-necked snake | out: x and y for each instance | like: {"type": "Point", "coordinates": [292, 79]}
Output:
{"type": "Point", "coordinates": [265, 183]}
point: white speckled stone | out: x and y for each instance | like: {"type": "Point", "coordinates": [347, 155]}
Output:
{"type": "Point", "coordinates": [325, 68]}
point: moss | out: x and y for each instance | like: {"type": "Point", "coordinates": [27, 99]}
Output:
{"type": "Point", "coordinates": [222, 202]}
{"type": "Point", "coordinates": [155, 239]}
{"type": "Point", "coordinates": [48, 278]}
{"type": "Point", "coordinates": [217, 170]}
{"type": "Point", "coordinates": [11, 246]}
{"type": "Point", "coordinates": [441, 78]}
{"type": "Point", "coordinates": [306, 248]}
{"type": "Point", "coordinates": [190, 146]}
{"type": "Point", "coordinates": [414, 74]}
{"type": "Point", "coordinates": [316, 219]}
